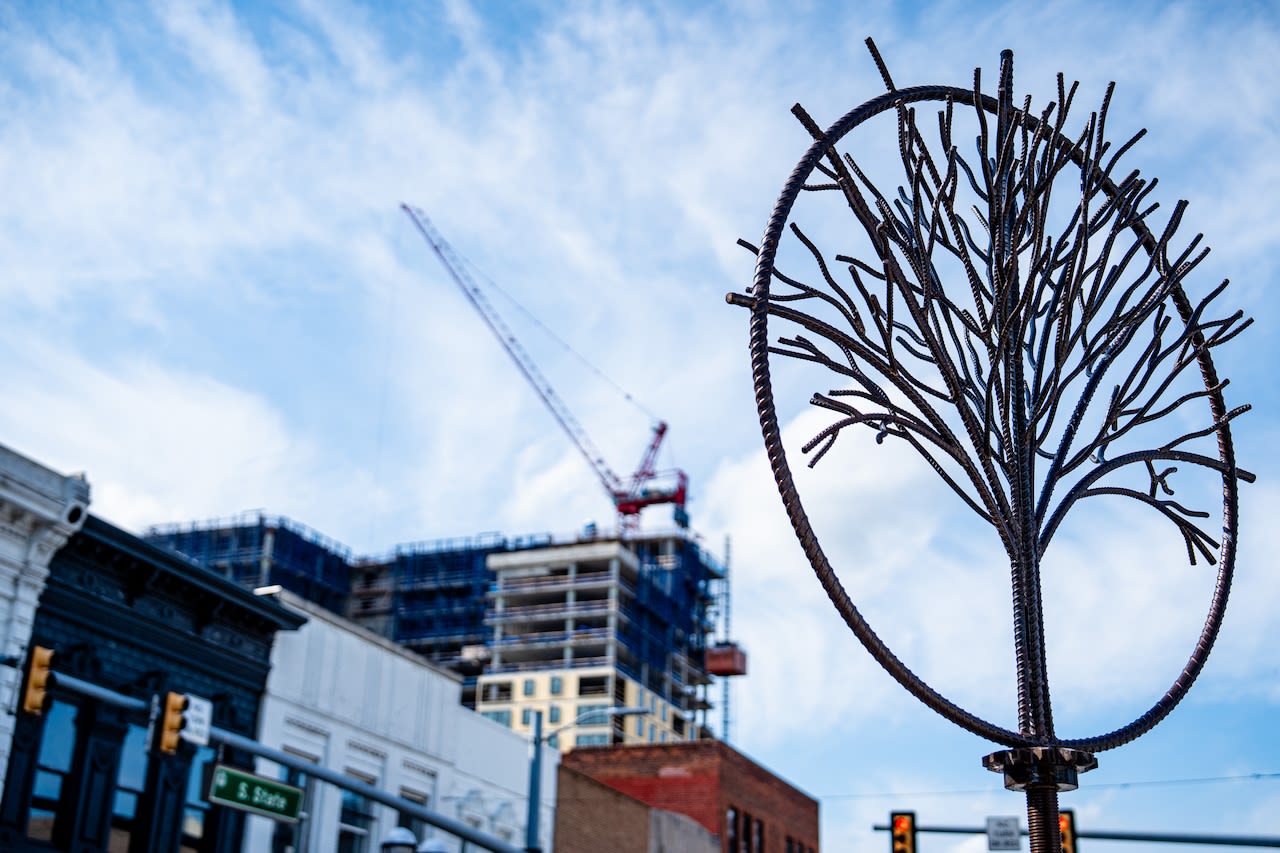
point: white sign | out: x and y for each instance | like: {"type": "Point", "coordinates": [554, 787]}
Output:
{"type": "Point", "coordinates": [199, 717]}
{"type": "Point", "coordinates": [1003, 833]}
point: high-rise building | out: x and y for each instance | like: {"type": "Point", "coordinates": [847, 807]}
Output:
{"type": "Point", "coordinates": [583, 628]}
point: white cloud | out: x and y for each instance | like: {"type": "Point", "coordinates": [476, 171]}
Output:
{"type": "Point", "coordinates": [214, 304]}
{"type": "Point", "coordinates": [163, 444]}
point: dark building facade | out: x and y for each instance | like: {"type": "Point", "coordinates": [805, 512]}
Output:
{"type": "Point", "coordinates": [749, 808]}
{"type": "Point", "coordinates": [135, 620]}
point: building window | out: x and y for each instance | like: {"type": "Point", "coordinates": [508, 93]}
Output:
{"type": "Point", "coordinates": [592, 740]}
{"type": "Point", "coordinates": [503, 717]}
{"type": "Point", "coordinates": [196, 811]}
{"type": "Point", "coordinates": [640, 726]}
{"type": "Point", "coordinates": [592, 715]}
{"type": "Point", "coordinates": [283, 835]}
{"type": "Point", "coordinates": [553, 715]}
{"type": "Point", "coordinates": [52, 768]}
{"type": "Point", "coordinates": [131, 778]}
{"type": "Point", "coordinates": [653, 733]}
{"type": "Point", "coordinates": [528, 687]}
{"type": "Point", "coordinates": [497, 691]}
{"type": "Point", "coordinates": [526, 716]}
{"type": "Point", "coordinates": [355, 821]}
{"type": "Point", "coordinates": [414, 824]}
{"type": "Point", "coordinates": [757, 837]}
{"type": "Point", "coordinates": [664, 712]}
{"type": "Point", "coordinates": [593, 685]}
{"type": "Point", "coordinates": [731, 830]}
{"type": "Point", "coordinates": [557, 685]}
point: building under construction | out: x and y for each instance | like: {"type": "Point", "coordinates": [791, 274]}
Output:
{"type": "Point", "coordinates": [571, 628]}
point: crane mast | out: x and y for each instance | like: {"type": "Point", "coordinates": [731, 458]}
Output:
{"type": "Point", "coordinates": [628, 498]}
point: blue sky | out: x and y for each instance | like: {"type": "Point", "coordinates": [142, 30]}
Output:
{"type": "Point", "coordinates": [214, 304]}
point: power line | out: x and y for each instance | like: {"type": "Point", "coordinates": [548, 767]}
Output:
{"type": "Point", "coordinates": [970, 792]}
{"type": "Point", "coordinates": [550, 333]}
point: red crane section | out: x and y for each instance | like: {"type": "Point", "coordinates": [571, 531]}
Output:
{"type": "Point", "coordinates": [640, 489]}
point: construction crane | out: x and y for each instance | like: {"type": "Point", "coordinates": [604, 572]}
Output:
{"type": "Point", "coordinates": [629, 497]}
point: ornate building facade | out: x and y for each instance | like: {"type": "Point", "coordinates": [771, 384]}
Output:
{"type": "Point", "coordinates": [39, 510]}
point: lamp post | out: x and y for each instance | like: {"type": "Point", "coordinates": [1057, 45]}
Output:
{"type": "Point", "coordinates": [399, 840]}
{"type": "Point", "coordinates": [535, 765]}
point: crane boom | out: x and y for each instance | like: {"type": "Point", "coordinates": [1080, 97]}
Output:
{"type": "Point", "coordinates": [628, 498]}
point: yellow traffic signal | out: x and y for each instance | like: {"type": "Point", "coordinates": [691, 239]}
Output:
{"type": "Point", "coordinates": [902, 829]}
{"type": "Point", "coordinates": [1067, 829]}
{"type": "Point", "coordinates": [172, 721]}
{"type": "Point", "coordinates": [36, 696]}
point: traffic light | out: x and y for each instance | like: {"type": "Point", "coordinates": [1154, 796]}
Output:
{"type": "Point", "coordinates": [902, 829]}
{"type": "Point", "coordinates": [172, 721]}
{"type": "Point", "coordinates": [36, 696]}
{"type": "Point", "coordinates": [1067, 829]}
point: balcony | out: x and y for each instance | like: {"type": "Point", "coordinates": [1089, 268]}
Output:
{"type": "Point", "coordinates": [556, 638]}
{"type": "Point", "coordinates": [557, 610]}
{"type": "Point", "coordinates": [508, 586]}
{"type": "Point", "coordinates": [536, 666]}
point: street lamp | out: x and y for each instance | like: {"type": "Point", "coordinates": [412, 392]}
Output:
{"type": "Point", "coordinates": [399, 840]}
{"type": "Point", "coordinates": [535, 764]}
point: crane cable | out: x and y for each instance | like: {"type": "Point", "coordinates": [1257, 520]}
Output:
{"type": "Point", "coordinates": [492, 285]}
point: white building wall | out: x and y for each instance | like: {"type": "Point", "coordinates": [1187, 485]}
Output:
{"type": "Point", "coordinates": [358, 703]}
{"type": "Point", "coordinates": [39, 510]}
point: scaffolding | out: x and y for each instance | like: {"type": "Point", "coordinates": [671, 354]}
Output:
{"type": "Point", "coordinates": [257, 550]}
{"type": "Point", "coordinates": [617, 611]}
{"type": "Point", "coordinates": [638, 609]}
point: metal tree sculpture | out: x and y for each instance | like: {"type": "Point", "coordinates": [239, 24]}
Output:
{"type": "Point", "coordinates": [1041, 371]}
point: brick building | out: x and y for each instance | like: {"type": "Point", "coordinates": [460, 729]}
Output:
{"type": "Point", "coordinates": [591, 816]}
{"type": "Point", "coordinates": [749, 808]}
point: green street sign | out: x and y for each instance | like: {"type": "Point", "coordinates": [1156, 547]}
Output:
{"type": "Point", "coordinates": [267, 797]}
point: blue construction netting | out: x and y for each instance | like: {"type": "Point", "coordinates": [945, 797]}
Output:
{"type": "Point", "coordinates": [260, 550]}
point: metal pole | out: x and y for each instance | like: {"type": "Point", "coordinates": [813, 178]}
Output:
{"type": "Point", "coordinates": [535, 785]}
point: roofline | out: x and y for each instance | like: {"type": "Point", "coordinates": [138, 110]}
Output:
{"type": "Point", "coordinates": [190, 571]}
{"type": "Point", "coordinates": [295, 603]}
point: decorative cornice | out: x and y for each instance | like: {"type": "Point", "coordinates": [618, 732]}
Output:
{"type": "Point", "coordinates": [366, 749]}
{"type": "Point", "coordinates": [33, 496]}
{"type": "Point", "coordinates": [306, 726]}
{"type": "Point", "coordinates": [417, 767]}
{"type": "Point", "coordinates": [182, 577]}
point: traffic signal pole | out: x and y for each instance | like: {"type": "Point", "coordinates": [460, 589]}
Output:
{"type": "Point", "coordinates": [1110, 835]}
